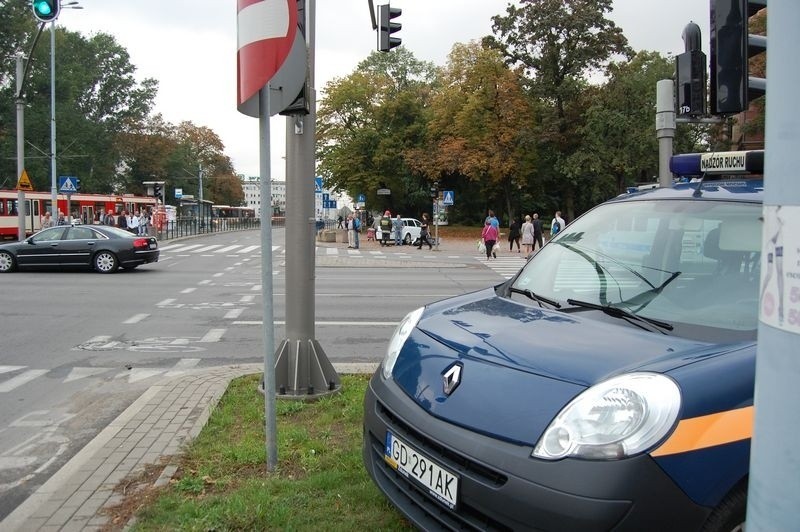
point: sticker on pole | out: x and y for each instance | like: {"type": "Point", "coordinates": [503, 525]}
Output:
{"type": "Point", "coordinates": [266, 31]}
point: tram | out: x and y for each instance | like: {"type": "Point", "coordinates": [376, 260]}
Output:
{"type": "Point", "coordinates": [86, 208]}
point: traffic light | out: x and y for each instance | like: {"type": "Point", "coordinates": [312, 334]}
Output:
{"type": "Point", "coordinates": [731, 47]}
{"type": "Point", "coordinates": [158, 192]}
{"type": "Point", "coordinates": [46, 10]}
{"type": "Point", "coordinates": [385, 28]}
{"type": "Point", "coordinates": [691, 74]}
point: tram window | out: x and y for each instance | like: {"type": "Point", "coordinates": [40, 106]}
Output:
{"type": "Point", "coordinates": [2, 207]}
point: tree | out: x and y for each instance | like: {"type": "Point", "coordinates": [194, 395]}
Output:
{"type": "Point", "coordinates": [619, 146]}
{"type": "Point", "coordinates": [97, 99]}
{"type": "Point", "coordinates": [367, 122]}
{"type": "Point", "coordinates": [479, 129]}
{"type": "Point", "coordinates": [559, 44]}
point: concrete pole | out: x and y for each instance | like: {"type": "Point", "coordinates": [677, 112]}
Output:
{"type": "Point", "coordinates": [774, 488]}
{"type": "Point", "coordinates": [665, 129]}
{"type": "Point", "coordinates": [20, 147]}
{"type": "Point", "coordinates": [302, 368]}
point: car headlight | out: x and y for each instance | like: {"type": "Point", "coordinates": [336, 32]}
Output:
{"type": "Point", "coordinates": [620, 417]}
{"type": "Point", "coordinates": [399, 338]}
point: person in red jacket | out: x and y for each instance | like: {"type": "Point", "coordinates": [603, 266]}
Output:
{"type": "Point", "coordinates": [489, 235]}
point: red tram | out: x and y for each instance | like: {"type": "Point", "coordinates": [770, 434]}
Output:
{"type": "Point", "coordinates": [85, 207]}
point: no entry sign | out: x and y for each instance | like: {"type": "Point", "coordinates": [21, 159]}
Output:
{"type": "Point", "coordinates": [266, 31]}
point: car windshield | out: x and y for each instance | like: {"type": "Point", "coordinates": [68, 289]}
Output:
{"type": "Point", "coordinates": [693, 264]}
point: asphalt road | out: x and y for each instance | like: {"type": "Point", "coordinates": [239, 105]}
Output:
{"type": "Point", "coordinates": [79, 347]}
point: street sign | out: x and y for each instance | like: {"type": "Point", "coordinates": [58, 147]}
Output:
{"type": "Point", "coordinates": [318, 185]}
{"type": "Point", "coordinates": [361, 198]}
{"type": "Point", "coordinates": [448, 197]}
{"type": "Point", "coordinates": [68, 184]}
{"type": "Point", "coordinates": [24, 182]}
{"type": "Point", "coordinates": [266, 31]}
{"type": "Point", "coordinates": [178, 193]}
{"type": "Point", "coordinates": [383, 192]}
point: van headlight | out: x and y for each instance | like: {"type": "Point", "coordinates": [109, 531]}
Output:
{"type": "Point", "coordinates": [399, 338]}
{"type": "Point", "coordinates": [620, 417]}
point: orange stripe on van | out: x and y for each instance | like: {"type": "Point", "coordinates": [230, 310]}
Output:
{"type": "Point", "coordinates": [707, 431]}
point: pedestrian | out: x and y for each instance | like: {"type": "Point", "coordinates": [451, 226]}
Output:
{"type": "Point", "coordinates": [557, 224]}
{"type": "Point", "coordinates": [423, 232]}
{"type": "Point", "coordinates": [356, 229]}
{"type": "Point", "coordinates": [513, 235]}
{"type": "Point", "coordinates": [122, 221]}
{"type": "Point", "coordinates": [109, 218]}
{"type": "Point", "coordinates": [537, 232]}
{"type": "Point", "coordinates": [133, 222]}
{"type": "Point", "coordinates": [341, 222]}
{"type": "Point", "coordinates": [494, 221]}
{"type": "Point", "coordinates": [397, 228]}
{"type": "Point", "coordinates": [144, 223]}
{"type": "Point", "coordinates": [47, 221]}
{"type": "Point", "coordinates": [489, 235]}
{"type": "Point", "coordinates": [385, 225]}
{"type": "Point", "coordinates": [350, 231]}
{"type": "Point", "coordinates": [527, 235]}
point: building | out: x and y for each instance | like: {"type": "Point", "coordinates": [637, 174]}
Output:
{"type": "Point", "coordinates": [251, 185]}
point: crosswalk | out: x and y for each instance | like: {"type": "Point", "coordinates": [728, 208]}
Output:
{"type": "Point", "coordinates": [506, 264]}
{"type": "Point", "coordinates": [13, 377]}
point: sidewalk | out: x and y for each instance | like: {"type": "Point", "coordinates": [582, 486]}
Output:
{"type": "Point", "coordinates": [150, 431]}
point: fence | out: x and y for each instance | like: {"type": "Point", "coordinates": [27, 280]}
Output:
{"type": "Point", "coordinates": [190, 226]}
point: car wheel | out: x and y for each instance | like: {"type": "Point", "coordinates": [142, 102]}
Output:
{"type": "Point", "coordinates": [729, 516]}
{"type": "Point", "coordinates": [407, 239]}
{"type": "Point", "coordinates": [7, 263]}
{"type": "Point", "coordinates": [106, 262]}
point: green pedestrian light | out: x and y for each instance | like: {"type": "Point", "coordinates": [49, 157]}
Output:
{"type": "Point", "coordinates": [46, 10]}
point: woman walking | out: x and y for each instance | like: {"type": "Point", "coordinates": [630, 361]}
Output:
{"type": "Point", "coordinates": [527, 235]}
{"type": "Point", "coordinates": [423, 233]}
{"type": "Point", "coordinates": [489, 235]}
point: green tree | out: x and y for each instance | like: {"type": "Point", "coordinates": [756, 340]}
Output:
{"type": "Point", "coordinates": [366, 124]}
{"type": "Point", "coordinates": [559, 44]}
{"type": "Point", "coordinates": [97, 100]}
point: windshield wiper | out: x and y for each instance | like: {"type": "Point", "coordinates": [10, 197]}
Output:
{"type": "Point", "coordinates": [536, 297]}
{"type": "Point", "coordinates": [618, 312]}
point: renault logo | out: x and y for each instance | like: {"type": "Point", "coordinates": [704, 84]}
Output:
{"type": "Point", "coordinates": [452, 378]}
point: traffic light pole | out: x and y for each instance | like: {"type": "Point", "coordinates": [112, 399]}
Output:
{"type": "Point", "coordinates": [20, 148]}
{"type": "Point", "coordinates": [302, 370]}
{"type": "Point", "coordinates": [774, 485]}
{"type": "Point", "coordinates": [53, 180]}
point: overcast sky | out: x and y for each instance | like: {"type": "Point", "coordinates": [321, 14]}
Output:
{"type": "Point", "coordinates": [189, 46]}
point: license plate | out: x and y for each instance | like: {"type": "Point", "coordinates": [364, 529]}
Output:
{"type": "Point", "coordinates": [153, 246]}
{"type": "Point", "coordinates": [441, 483]}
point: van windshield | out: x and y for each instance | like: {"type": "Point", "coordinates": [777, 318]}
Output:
{"type": "Point", "coordinates": [694, 264]}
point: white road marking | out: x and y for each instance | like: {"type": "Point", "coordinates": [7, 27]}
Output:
{"type": "Point", "coordinates": [234, 313]}
{"type": "Point", "coordinates": [81, 373]}
{"type": "Point", "coordinates": [214, 335]}
{"type": "Point", "coordinates": [182, 366]}
{"type": "Point", "coordinates": [6, 369]}
{"type": "Point", "coordinates": [209, 248]}
{"type": "Point", "coordinates": [21, 379]}
{"type": "Point", "coordinates": [165, 302]}
{"type": "Point", "coordinates": [229, 248]}
{"type": "Point", "coordinates": [188, 290]}
{"type": "Point", "coordinates": [220, 274]}
{"type": "Point", "coordinates": [248, 249]}
{"type": "Point", "coordinates": [136, 318]}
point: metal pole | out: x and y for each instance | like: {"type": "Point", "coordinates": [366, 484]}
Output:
{"type": "Point", "coordinates": [53, 181]}
{"type": "Point", "coordinates": [20, 148]}
{"type": "Point", "coordinates": [302, 368]}
{"type": "Point", "coordinates": [268, 327]}
{"type": "Point", "coordinates": [774, 487]}
{"type": "Point", "coordinates": [200, 176]}
{"type": "Point", "coordinates": [665, 128]}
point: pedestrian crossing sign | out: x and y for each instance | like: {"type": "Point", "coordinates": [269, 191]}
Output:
{"type": "Point", "coordinates": [67, 184]}
{"type": "Point", "coordinates": [448, 197]}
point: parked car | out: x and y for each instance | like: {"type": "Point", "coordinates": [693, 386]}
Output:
{"type": "Point", "coordinates": [607, 386]}
{"type": "Point", "coordinates": [104, 248]}
{"type": "Point", "coordinates": [411, 231]}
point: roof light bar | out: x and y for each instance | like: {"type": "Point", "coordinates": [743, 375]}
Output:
{"type": "Point", "coordinates": [725, 162]}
